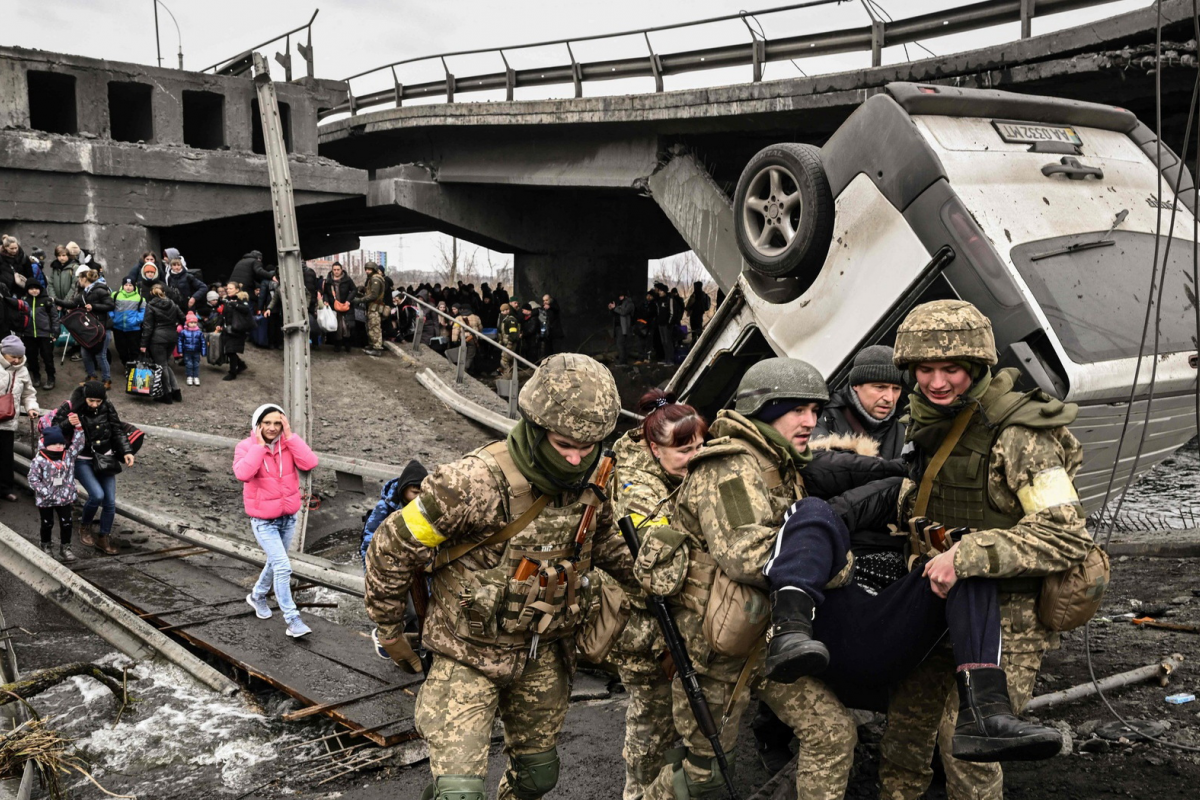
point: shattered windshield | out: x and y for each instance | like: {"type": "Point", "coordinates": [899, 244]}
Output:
{"type": "Point", "coordinates": [1095, 298]}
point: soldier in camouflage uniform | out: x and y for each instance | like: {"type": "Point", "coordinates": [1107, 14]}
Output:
{"type": "Point", "coordinates": [730, 507]}
{"type": "Point", "coordinates": [501, 645]}
{"type": "Point", "coordinates": [1009, 478]}
{"type": "Point", "coordinates": [651, 463]}
{"type": "Point", "coordinates": [375, 300]}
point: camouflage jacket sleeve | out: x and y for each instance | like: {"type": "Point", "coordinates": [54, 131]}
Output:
{"type": "Point", "coordinates": [638, 493]}
{"type": "Point", "coordinates": [609, 551]}
{"type": "Point", "coordinates": [732, 506]}
{"type": "Point", "coordinates": [1030, 473]}
{"type": "Point", "coordinates": [459, 502]}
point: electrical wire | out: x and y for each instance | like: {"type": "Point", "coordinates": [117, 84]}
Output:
{"type": "Point", "coordinates": [762, 35]}
{"type": "Point", "coordinates": [1150, 301]}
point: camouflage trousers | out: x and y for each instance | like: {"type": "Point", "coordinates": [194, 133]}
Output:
{"type": "Point", "coordinates": [457, 707]}
{"type": "Point", "coordinates": [649, 728]}
{"type": "Point", "coordinates": [826, 731]}
{"type": "Point", "coordinates": [506, 365]}
{"type": "Point", "coordinates": [924, 710]}
{"type": "Point", "coordinates": [375, 327]}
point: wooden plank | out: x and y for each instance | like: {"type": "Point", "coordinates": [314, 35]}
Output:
{"type": "Point", "coordinates": [334, 662]}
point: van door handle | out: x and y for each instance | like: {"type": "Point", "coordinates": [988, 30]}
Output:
{"type": "Point", "coordinates": [1070, 166]}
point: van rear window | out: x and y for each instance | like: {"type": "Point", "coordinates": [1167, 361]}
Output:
{"type": "Point", "coordinates": [1095, 298]}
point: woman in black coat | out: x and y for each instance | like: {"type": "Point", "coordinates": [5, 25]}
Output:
{"type": "Point", "coordinates": [338, 289]}
{"type": "Point", "coordinates": [96, 298]}
{"type": "Point", "coordinates": [234, 322]}
{"type": "Point", "coordinates": [160, 327]}
{"type": "Point", "coordinates": [90, 411]}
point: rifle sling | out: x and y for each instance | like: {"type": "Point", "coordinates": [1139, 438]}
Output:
{"type": "Point", "coordinates": [939, 459]}
{"type": "Point", "coordinates": [743, 680]}
{"type": "Point", "coordinates": [510, 530]}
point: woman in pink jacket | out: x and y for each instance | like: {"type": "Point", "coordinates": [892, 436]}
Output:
{"type": "Point", "coordinates": [267, 464]}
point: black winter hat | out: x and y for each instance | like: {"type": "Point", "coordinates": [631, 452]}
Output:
{"type": "Point", "coordinates": [874, 365]}
{"type": "Point", "coordinates": [94, 390]}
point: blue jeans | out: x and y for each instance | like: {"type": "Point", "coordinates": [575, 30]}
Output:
{"type": "Point", "coordinates": [191, 364]}
{"type": "Point", "coordinates": [93, 360]}
{"type": "Point", "coordinates": [102, 490]}
{"type": "Point", "coordinates": [274, 537]}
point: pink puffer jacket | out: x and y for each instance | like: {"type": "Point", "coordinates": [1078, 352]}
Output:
{"type": "Point", "coordinates": [270, 482]}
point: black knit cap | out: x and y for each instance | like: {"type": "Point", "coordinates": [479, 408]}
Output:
{"type": "Point", "coordinates": [874, 365]}
{"type": "Point", "coordinates": [94, 390]}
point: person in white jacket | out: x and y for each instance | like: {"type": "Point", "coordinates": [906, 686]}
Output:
{"type": "Point", "coordinates": [17, 395]}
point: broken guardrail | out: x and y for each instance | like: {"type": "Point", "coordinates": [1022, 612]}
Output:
{"type": "Point", "coordinates": [84, 601]}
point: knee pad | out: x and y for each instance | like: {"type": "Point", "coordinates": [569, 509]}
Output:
{"type": "Point", "coordinates": [687, 789]}
{"type": "Point", "coordinates": [531, 776]}
{"type": "Point", "coordinates": [455, 787]}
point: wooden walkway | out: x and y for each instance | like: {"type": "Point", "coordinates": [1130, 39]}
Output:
{"type": "Point", "coordinates": [200, 598]}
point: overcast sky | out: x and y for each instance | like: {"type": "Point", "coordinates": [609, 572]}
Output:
{"type": "Point", "coordinates": [350, 36]}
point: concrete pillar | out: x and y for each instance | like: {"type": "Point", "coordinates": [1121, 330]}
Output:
{"type": "Point", "coordinates": [582, 285]}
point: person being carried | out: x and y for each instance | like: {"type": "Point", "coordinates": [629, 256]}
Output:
{"type": "Point", "coordinates": [267, 462]}
{"type": "Point", "coordinates": [52, 479]}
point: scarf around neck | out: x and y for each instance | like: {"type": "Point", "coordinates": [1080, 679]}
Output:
{"type": "Point", "coordinates": [786, 449]}
{"type": "Point", "coordinates": [542, 465]}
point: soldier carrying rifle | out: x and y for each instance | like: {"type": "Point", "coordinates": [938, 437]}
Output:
{"type": "Point", "coordinates": [500, 534]}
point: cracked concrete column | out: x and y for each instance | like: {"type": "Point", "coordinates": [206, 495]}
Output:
{"type": "Point", "coordinates": [583, 285]}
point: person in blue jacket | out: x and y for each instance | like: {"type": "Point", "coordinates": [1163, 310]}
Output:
{"type": "Point", "coordinates": [395, 495]}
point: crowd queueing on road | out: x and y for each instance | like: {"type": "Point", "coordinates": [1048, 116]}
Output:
{"type": "Point", "coordinates": [816, 552]}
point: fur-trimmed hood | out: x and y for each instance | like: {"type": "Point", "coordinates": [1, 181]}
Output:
{"type": "Point", "coordinates": [858, 443]}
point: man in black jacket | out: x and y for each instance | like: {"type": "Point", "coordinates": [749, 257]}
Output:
{"type": "Point", "coordinates": [869, 404]}
{"type": "Point", "coordinates": [250, 272]}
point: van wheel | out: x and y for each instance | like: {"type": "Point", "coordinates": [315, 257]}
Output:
{"type": "Point", "coordinates": [784, 212]}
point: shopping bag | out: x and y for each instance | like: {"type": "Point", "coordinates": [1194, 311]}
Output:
{"type": "Point", "coordinates": [327, 319]}
{"type": "Point", "coordinates": [144, 380]}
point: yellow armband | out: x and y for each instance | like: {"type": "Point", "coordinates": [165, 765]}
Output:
{"type": "Point", "coordinates": [418, 524]}
{"type": "Point", "coordinates": [1050, 487]}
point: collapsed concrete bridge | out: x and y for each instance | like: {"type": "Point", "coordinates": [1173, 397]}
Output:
{"type": "Point", "coordinates": [124, 158]}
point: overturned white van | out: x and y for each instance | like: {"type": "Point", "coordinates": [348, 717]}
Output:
{"type": "Point", "coordinates": [1042, 212]}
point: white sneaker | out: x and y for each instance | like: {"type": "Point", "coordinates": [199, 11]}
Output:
{"type": "Point", "coordinates": [189, 381]}
{"type": "Point", "coordinates": [195, 381]}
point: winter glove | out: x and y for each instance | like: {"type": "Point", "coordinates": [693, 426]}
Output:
{"type": "Point", "coordinates": [399, 650]}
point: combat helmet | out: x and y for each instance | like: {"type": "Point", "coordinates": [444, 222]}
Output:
{"type": "Point", "coordinates": [775, 379]}
{"type": "Point", "coordinates": [573, 395]}
{"type": "Point", "coordinates": [945, 330]}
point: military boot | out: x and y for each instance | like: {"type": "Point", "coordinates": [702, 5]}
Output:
{"type": "Point", "coordinates": [792, 652]}
{"type": "Point", "coordinates": [988, 730]}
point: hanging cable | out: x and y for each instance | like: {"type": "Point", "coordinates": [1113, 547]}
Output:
{"type": "Point", "coordinates": [762, 35]}
{"type": "Point", "coordinates": [1087, 630]}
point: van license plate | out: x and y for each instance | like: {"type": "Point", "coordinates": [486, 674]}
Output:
{"type": "Point", "coordinates": [1028, 133]}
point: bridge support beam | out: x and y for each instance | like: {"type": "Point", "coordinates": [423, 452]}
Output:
{"type": "Point", "coordinates": [582, 285]}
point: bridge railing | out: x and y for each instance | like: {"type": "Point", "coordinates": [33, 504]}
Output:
{"type": "Point", "coordinates": [460, 362]}
{"type": "Point", "coordinates": [243, 62]}
{"type": "Point", "coordinates": [755, 52]}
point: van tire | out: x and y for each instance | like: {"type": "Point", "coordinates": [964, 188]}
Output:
{"type": "Point", "coordinates": [784, 188]}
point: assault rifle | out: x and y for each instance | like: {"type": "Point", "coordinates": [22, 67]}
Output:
{"type": "Point", "coordinates": [684, 669]}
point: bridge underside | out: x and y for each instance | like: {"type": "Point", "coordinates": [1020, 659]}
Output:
{"type": "Point", "coordinates": [564, 183]}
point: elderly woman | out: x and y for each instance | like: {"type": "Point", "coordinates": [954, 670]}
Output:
{"type": "Point", "coordinates": [17, 389]}
{"type": "Point", "coordinates": [268, 463]}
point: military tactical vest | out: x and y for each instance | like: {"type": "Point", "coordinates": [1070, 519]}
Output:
{"type": "Point", "coordinates": [959, 496]}
{"type": "Point", "coordinates": [490, 606]}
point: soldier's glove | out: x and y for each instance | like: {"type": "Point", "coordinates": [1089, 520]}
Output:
{"type": "Point", "coordinates": [399, 650]}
